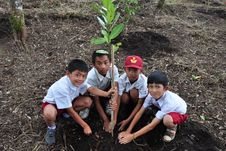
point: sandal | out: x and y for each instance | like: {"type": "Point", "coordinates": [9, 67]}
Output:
{"type": "Point", "coordinates": [169, 134]}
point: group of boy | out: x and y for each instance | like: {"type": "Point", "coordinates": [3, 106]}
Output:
{"type": "Point", "coordinates": [133, 94]}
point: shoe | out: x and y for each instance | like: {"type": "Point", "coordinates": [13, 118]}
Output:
{"type": "Point", "coordinates": [108, 109]}
{"type": "Point", "coordinates": [84, 113]}
{"type": "Point", "coordinates": [66, 116]}
{"type": "Point", "coordinates": [170, 134]}
{"type": "Point", "coordinates": [50, 136]}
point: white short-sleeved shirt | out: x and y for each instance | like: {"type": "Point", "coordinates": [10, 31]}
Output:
{"type": "Point", "coordinates": [125, 85]}
{"type": "Point", "coordinates": [169, 102]}
{"type": "Point", "coordinates": [95, 79]}
{"type": "Point", "coordinates": [63, 92]}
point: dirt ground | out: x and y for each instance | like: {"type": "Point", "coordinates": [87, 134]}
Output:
{"type": "Point", "coordinates": [186, 40]}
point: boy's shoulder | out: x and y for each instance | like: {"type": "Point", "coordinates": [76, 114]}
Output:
{"type": "Point", "coordinates": [60, 81]}
{"type": "Point", "coordinates": [142, 77]}
{"type": "Point", "coordinates": [169, 95]}
{"type": "Point", "coordinates": [92, 73]}
{"type": "Point", "coordinates": [60, 84]}
{"type": "Point", "coordinates": [123, 76]}
{"type": "Point", "coordinates": [115, 67]}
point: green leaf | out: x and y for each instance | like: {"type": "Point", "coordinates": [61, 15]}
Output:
{"type": "Point", "coordinates": [116, 31]}
{"type": "Point", "coordinates": [111, 11]}
{"type": "Point", "coordinates": [97, 41]}
{"type": "Point", "coordinates": [195, 78]}
{"type": "Point", "coordinates": [105, 20]}
{"type": "Point", "coordinates": [202, 117]}
{"type": "Point", "coordinates": [106, 35]}
{"type": "Point", "coordinates": [116, 46]}
{"type": "Point", "coordinates": [102, 23]}
{"type": "Point", "coordinates": [116, 17]}
{"type": "Point", "coordinates": [106, 3]}
{"type": "Point", "coordinates": [108, 10]}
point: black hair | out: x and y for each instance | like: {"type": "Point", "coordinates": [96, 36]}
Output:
{"type": "Point", "coordinates": [158, 77]}
{"type": "Point", "coordinates": [77, 64]}
{"type": "Point", "coordinates": [99, 53]}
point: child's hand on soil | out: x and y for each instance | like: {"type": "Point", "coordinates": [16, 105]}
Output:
{"type": "Point", "coordinates": [122, 134]}
{"type": "Point", "coordinates": [87, 130]}
{"type": "Point", "coordinates": [123, 124]}
{"type": "Point", "coordinates": [126, 138]}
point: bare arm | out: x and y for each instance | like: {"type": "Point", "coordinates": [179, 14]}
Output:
{"type": "Point", "coordinates": [79, 120]}
{"type": "Point", "coordinates": [135, 119]}
{"type": "Point", "coordinates": [147, 128]}
{"type": "Point", "coordinates": [126, 137]}
{"type": "Point", "coordinates": [100, 109]}
{"type": "Point", "coordinates": [98, 92]}
{"type": "Point", "coordinates": [127, 134]}
{"type": "Point", "coordinates": [135, 110]}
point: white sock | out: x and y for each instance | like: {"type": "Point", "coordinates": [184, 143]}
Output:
{"type": "Point", "coordinates": [52, 127]}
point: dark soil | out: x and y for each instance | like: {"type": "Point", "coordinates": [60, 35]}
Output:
{"type": "Point", "coordinates": [186, 39]}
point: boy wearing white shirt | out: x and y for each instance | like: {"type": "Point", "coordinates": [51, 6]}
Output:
{"type": "Point", "coordinates": [132, 89]}
{"type": "Point", "coordinates": [65, 95]}
{"type": "Point", "coordinates": [172, 110]}
{"type": "Point", "coordinates": [99, 84]}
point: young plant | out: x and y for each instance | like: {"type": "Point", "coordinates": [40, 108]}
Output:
{"type": "Point", "coordinates": [112, 25]}
{"type": "Point", "coordinates": [110, 29]}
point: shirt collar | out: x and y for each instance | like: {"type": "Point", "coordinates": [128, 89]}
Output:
{"type": "Point", "coordinates": [71, 85]}
{"type": "Point", "coordinates": [127, 79]}
{"type": "Point", "coordinates": [160, 101]}
{"type": "Point", "coordinates": [101, 77]}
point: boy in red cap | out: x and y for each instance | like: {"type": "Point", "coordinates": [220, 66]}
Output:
{"type": "Point", "coordinates": [132, 89]}
{"type": "Point", "coordinates": [172, 110]}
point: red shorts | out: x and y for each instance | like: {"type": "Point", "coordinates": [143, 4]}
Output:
{"type": "Point", "coordinates": [59, 111]}
{"type": "Point", "coordinates": [178, 118]}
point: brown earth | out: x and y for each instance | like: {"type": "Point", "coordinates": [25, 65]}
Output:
{"type": "Point", "coordinates": [186, 39]}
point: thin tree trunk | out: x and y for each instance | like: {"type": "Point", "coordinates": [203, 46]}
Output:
{"type": "Point", "coordinates": [112, 124]}
{"type": "Point", "coordinates": [17, 20]}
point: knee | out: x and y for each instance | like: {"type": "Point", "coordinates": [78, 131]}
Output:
{"type": "Point", "coordinates": [88, 102]}
{"type": "Point", "coordinates": [168, 121]}
{"type": "Point", "coordinates": [125, 98]}
{"type": "Point", "coordinates": [49, 113]}
{"type": "Point", "coordinates": [134, 94]}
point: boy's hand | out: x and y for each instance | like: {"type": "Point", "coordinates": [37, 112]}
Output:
{"type": "Point", "coordinates": [107, 126]}
{"type": "Point", "coordinates": [113, 105]}
{"type": "Point", "coordinates": [123, 134]}
{"type": "Point", "coordinates": [87, 130]}
{"type": "Point", "coordinates": [123, 124]}
{"type": "Point", "coordinates": [112, 91]}
{"type": "Point", "coordinates": [126, 138]}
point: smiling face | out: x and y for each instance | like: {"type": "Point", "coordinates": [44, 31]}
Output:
{"type": "Point", "coordinates": [132, 73]}
{"type": "Point", "coordinates": [77, 77]}
{"type": "Point", "coordinates": [156, 90]}
{"type": "Point", "coordinates": [102, 64]}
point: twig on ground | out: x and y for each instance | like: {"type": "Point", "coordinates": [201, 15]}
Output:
{"type": "Point", "coordinates": [138, 144]}
{"type": "Point", "coordinates": [72, 147]}
{"type": "Point", "coordinates": [65, 140]}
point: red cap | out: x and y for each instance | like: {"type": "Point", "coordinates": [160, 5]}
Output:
{"type": "Point", "coordinates": [134, 62]}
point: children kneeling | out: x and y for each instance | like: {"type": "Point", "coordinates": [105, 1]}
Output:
{"type": "Point", "coordinates": [66, 96]}
{"type": "Point", "coordinates": [172, 110]}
